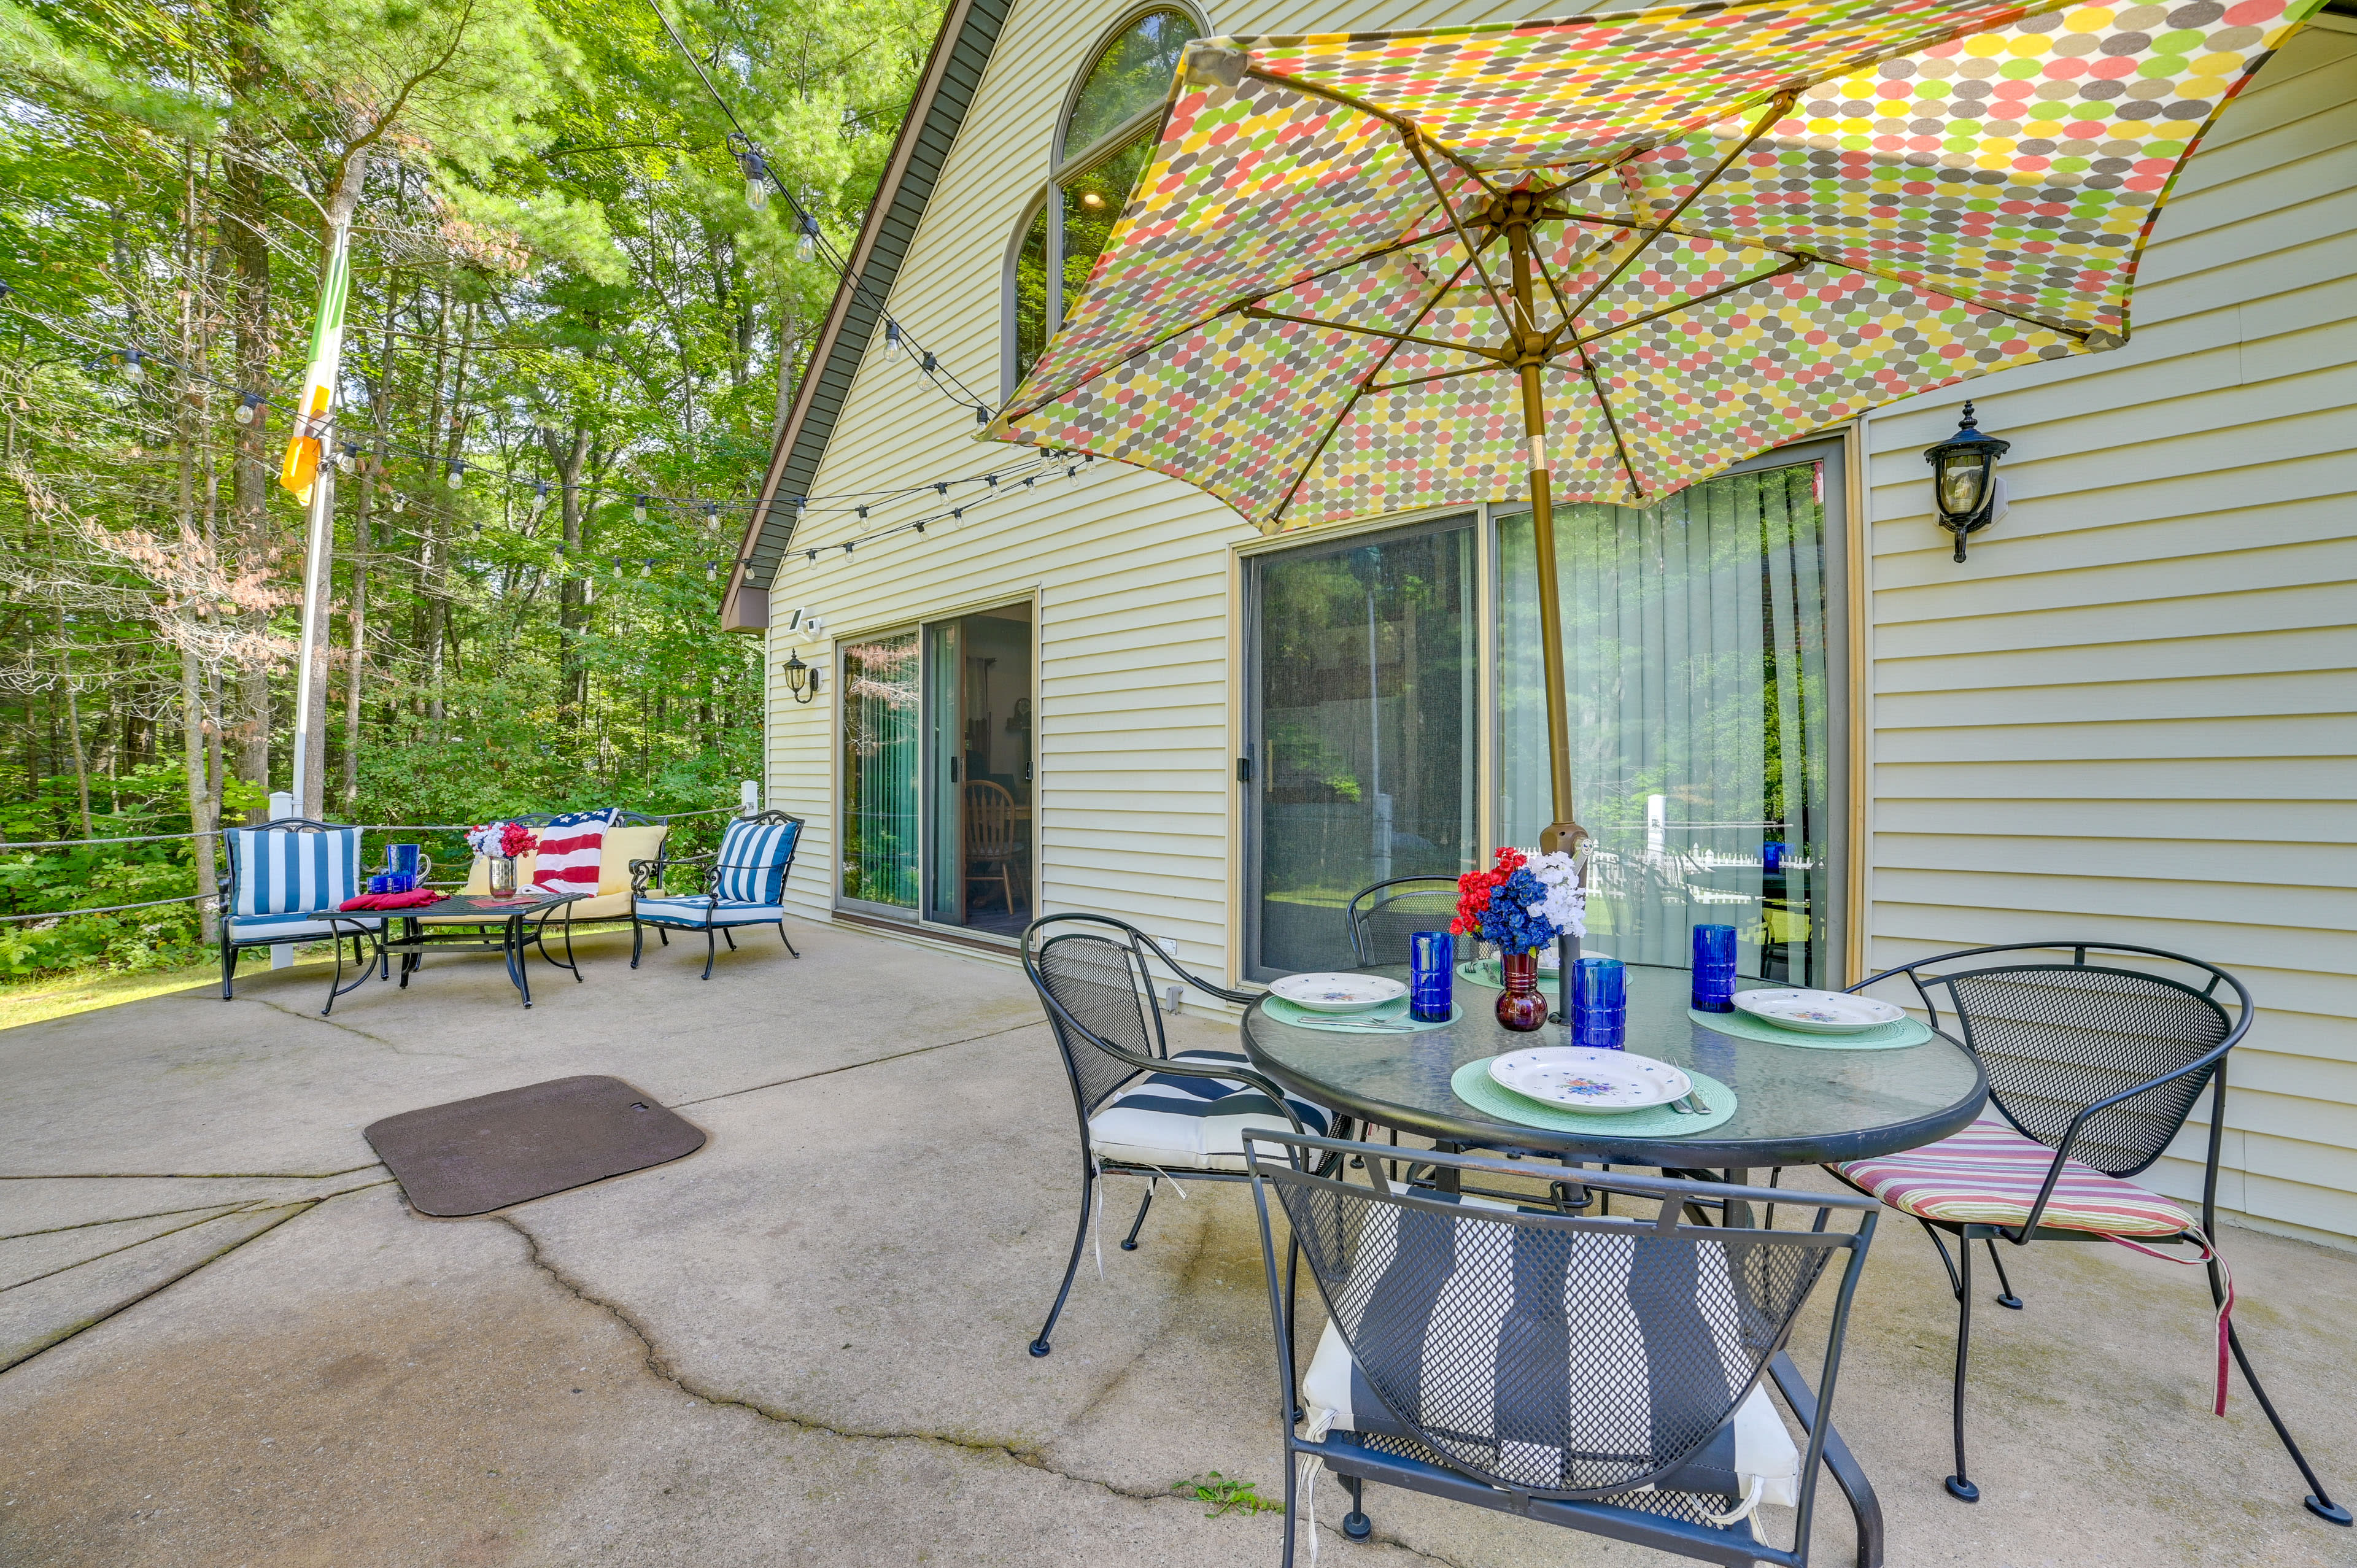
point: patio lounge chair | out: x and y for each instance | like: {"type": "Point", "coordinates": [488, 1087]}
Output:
{"type": "Point", "coordinates": [1602, 1374]}
{"type": "Point", "coordinates": [744, 885]}
{"type": "Point", "coordinates": [2094, 1066]}
{"type": "Point", "coordinates": [1384, 915]}
{"type": "Point", "coordinates": [285, 877]}
{"type": "Point", "coordinates": [1187, 1112]}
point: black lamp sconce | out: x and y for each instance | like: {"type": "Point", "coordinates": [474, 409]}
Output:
{"type": "Point", "coordinates": [1964, 487]}
{"type": "Point", "coordinates": [802, 680]}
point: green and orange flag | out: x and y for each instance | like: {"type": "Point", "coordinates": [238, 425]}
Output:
{"type": "Point", "coordinates": [1751, 222]}
{"type": "Point", "coordinates": [315, 409]}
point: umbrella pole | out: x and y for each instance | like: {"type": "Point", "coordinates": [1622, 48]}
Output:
{"type": "Point", "coordinates": [1562, 834]}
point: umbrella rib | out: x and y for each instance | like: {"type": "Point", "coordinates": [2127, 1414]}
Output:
{"type": "Point", "coordinates": [2060, 329]}
{"type": "Point", "coordinates": [1776, 110]}
{"type": "Point", "coordinates": [1596, 385]}
{"type": "Point", "coordinates": [1351, 402]}
{"type": "Point", "coordinates": [1473, 252]}
{"type": "Point", "coordinates": [1798, 263]}
{"type": "Point", "coordinates": [1372, 388]}
{"type": "Point", "coordinates": [1256, 313]}
{"type": "Point", "coordinates": [1399, 122]}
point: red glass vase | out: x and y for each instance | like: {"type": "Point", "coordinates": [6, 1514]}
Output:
{"type": "Point", "coordinates": [1520, 1005]}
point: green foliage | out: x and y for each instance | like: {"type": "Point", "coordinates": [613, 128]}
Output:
{"type": "Point", "coordinates": [1226, 1496]}
{"type": "Point", "coordinates": [558, 281]}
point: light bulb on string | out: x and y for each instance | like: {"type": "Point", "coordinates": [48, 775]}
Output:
{"type": "Point", "coordinates": [639, 510]}
{"type": "Point", "coordinates": [862, 512]}
{"type": "Point", "coordinates": [711, 573]}
{"type": "Point", "coordinates": [807, 244]}
{"type": "Point", "coordinates": [712, 517]}
{"type": "Point", "coordinates": [457, 476]}
{"type": "Point", "coordinates": [132, 369]}
{"type": "Point", "coordinates": [891, 338]}
{"type": "Point", "coordinates": [396, 503]}
{"type": "Point", "coordinates": [248, 409]}
{"type": "Point", "coordinates": [646, 568]}
{"type": "Point", "coordinates": [346, 459]}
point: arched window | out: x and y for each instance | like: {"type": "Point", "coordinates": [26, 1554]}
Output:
{"type": "Point", "coordinates": [1101, 150]}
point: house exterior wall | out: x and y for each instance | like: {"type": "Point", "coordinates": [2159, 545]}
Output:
{"type": "Point", "coordinates": [2130, 714]}
{"type": "Point", "coordinates": [2118, 720]}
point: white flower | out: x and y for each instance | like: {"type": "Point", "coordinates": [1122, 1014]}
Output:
{"type": "Point", "coordinates": [1565, 905]}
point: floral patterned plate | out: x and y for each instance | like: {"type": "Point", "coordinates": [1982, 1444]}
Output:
{"type": "Point", "coordinates": [1338, 993]}
{"type": "Point", "coordinates": [1585, 1078]}
{"type": "Point", "coordinates": [1818, 1012]}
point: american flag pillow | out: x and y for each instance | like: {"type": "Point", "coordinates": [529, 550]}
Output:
{"type": "Point", "coordinates": [570, 848]}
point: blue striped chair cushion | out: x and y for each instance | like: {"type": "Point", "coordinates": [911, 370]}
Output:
{"type": "Point", "coordinates": [294, 928]}
{"type": "Point", "coordinates": [283, 871]}
{"type": "Point", "coordinates": [1198, 1124]}
{"type": "Point", "coordinates": [753, 861]}
{"type": "Point", "coordinates": [698, 911]}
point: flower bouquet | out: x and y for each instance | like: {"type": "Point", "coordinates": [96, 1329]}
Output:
{"type": "Point", "coordinates": [1519, 905]}
{"type": "Point", "coordinates": [499, 843]}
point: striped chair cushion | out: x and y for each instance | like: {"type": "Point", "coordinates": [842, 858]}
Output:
{"type": "Point", "coordinates": [291, 928]}
{"type": "Point", "coordinates": [699, 912]}
{"type": "Point", "coordinates": [753, 861]}
{"type": "Point", "coordinates": [1195, 1122]}
{"type": "Point", "coordinates": [283, 871]}
{"type": "Point", "coordinates": [1989, 1175]}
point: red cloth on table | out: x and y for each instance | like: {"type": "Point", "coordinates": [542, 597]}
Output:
{"type": "Point", "coordinates": [417, 899]}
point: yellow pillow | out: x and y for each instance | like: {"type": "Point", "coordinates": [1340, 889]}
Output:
{"type": "Point", "coordinates": [624, 845]}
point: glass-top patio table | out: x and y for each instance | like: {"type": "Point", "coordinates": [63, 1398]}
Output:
{"type": "Point", "coordinates": [1794, 1105]}
{"type": "Point", "coordinates": [470, 923]}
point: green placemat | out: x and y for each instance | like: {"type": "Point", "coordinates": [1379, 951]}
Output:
{"type": "Point", "coordinates": [1394, 1012]}
{"type": "Point", "coordinates": [1475, 1088]}
{"type": "Point", "coordinates": [1888, 1037]}
{"type": "Point", "coordinates": [1484, 971]}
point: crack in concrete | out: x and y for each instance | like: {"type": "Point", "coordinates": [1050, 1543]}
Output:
{"type": "Point", "coordinates": [128, 1220]}
{"type": "Point", "coordinates": [333, 1022]}
{"type": "Point", "coordinates": [848, 1067]}
{"type": "Point", "coordinates": [1031, 1458]}
{"type": "Point", "coordinates": [194, 1176]}
{"type": "Point", "coordinates": [226, 1212]}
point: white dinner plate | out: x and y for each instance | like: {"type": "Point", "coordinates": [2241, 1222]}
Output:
{"type": "Point", "coordinates": [1818, 1012]}
{"type": "Point", "coordinates": [1338, 993]}
{"type": "Point", "coordinates": [1587, 1077]}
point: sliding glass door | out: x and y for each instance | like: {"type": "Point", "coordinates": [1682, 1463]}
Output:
{"type": "Point", "coordinates": [880, 698]}
{"type": "Point", "coordinates": [1704, 697]}
{"type": "Point", "coordinates": [1359, 762]}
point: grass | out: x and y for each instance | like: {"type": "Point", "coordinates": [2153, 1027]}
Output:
{"type": "Point", "coordinates": [1226, 1496]}
{"type": "Point", "coordinates": [59, 996]}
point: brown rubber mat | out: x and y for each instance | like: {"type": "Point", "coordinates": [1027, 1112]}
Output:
{"type": "Point", "coordinates": [471, 1156]}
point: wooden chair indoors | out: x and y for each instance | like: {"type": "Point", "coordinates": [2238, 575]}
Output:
{"type": "Point", "coordinates": [995, 850]}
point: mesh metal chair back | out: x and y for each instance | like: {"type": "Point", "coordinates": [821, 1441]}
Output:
{"type": "Point", "coordinates": [2056, 1038]}
{"type": "Point", "coordinates": [1384, 915]}
{"type": "Point", "coordinates": [1098, 984]}
{"type": "Point", "coordinates": [1550, 1355]}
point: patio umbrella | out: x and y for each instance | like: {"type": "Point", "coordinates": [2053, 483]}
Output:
{"type": "Point", "coordinates": [1606, 256]}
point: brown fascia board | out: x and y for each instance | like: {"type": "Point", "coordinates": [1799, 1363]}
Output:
{"type": "Point", "coordinates": [953, 73]}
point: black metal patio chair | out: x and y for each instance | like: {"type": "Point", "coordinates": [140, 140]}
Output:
{"type": "Point", "coordinates": [1383, 916]}
{"type": "Point", "coordinates": [743, 882]}
{"type": "Point", "coordinates": [1602, 1374]}
{"type": "Point", "coordinates": [1143, 1112]}
{"type": "Point", "coordinates": [285, 881]}
{"type": "Point", "coordinates": [2094, 1064]}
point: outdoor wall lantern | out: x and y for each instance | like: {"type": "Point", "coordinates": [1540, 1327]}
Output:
{"type": "Point", "coordinates": [1965, 486]}
{"type": "Point", "coordinates": [802, 680]}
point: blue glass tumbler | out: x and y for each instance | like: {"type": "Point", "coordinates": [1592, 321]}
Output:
{"type": "Point", "coordinates": [1771, 856]}
{"type": "Point", "coordinates": [1432, 976]}
{"type": "Point", "coordinates": [379, 883]}
{"type": "Point", "coordinates": [1714, 969]}
{"type": "Point", "coordinates": [1599, 994]}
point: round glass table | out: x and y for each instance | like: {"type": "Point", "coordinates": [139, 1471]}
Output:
{"type": "Point", "coordinates": [1795, 1105]}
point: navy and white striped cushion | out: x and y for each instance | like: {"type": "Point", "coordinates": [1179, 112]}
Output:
{"type": "Point", "coordinates": [282, 870]}
{"type": "Point", "coordinates": [1470, 1370]}
{"type": "Point", "coordinates": [698, 911]}
{"type": "Point", "coordinates": [292, 928]}
{"type": "Point", "coordinates": [753, 860]}
{"type": "Point", "coordinates": [1195, 1122]}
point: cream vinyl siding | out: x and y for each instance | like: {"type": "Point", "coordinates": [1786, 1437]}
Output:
{"type": "Point", "coordinates": [1134, 778]}
{"type": "Point", "coordinates": [2129, 716]}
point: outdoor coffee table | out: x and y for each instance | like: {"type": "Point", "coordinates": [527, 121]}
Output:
{"type": "Point", "coordinates": [1795, 1105]}
{"type": "Point", "coordinates": [466, 922]}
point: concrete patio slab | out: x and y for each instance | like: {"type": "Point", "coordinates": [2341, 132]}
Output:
{"type": "Point", "coordinates": [804, 1344]}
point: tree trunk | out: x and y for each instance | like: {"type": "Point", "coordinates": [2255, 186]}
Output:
{"type": "Point", "coordinates": [202, 804]}
{"type": "Point", "coordinates": [363, 503]}
{"type": "Point", "coordinates": [73, 733]}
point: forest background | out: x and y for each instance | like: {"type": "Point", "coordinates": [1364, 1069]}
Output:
{"type": "Point", "coordinates": [574, 327]}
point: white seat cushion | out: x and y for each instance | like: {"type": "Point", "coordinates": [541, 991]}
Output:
{"type": "Point", "coordinates": [1608, 1367]}
{"type": "Point", "coordinates": [1194, 1123]}
{"type": "Point", "coordinates": [695, 910]}
{"type": "Point", "coordinates": [295, 927]}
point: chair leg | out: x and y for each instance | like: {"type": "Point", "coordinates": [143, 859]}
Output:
{"type": "Point", "coordinates": [229, 965]}
{"type": "Point", "coordinates": [1129, 1242]}
{"type": "Point", "coordinates": [1040, 1346]}
{"type": "Point", "coordinates": [711, 950]}
{"type": "Point", "coordinates": [1293, 1520]}
{"type": "Point", "coordinates": [638, 940]}
{"type": "Point", "coordinates": [1959, 1486]}
{"type": "Point", "coordinates": [2006, 1298]}
{"type": "Point", "coordinates": [2318, 1502]}
{"type": "Point", "coordinates": [730, 937]}
{"type": "Point", "coordinates": [788, 940]}
{"type": "Point", "coordinates": [1355, 1524]}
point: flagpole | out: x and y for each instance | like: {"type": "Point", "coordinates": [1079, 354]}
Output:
{"type": "Point", "coordinates": [318, 552]}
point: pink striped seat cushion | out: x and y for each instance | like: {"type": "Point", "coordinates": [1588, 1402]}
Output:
{"type": "Point", "coordinates": [1989, 1175]}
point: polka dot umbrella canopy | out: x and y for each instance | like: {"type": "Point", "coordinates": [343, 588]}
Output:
{"type": "Point", "coordinates": [1609, 255]}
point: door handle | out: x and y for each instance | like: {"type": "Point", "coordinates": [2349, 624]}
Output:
{"type": "Point", "coordinates": [953, 777]}
{"type": "Point", "coordinates": [1243, 769]}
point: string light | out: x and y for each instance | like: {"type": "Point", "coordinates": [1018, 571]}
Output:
{"type": "Point", "coordinates": [639, 510]}
{"type": "Point", "coordinates": [807, 246]}
{"type": "Point", "coordinates": [457, 475]}
{"type": "Point", "coordinates": [131, 369]}
{"type": "Point", "coordinates": [248, 409]}
{"type": "Point", "coordinates": [892, 338]}
{"type": "Point", "coordinates": [344, 458]}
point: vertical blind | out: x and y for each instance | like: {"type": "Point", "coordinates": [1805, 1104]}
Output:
{"type": "Point", "coordinates": [1695, 640]}
{"type": "Point", "coordinates": [879, 770]}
